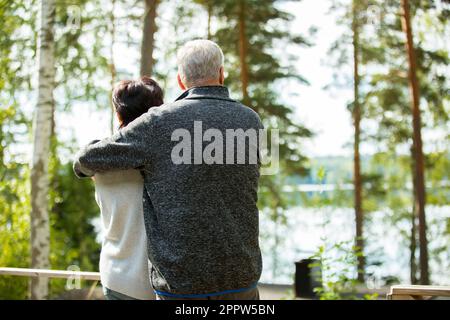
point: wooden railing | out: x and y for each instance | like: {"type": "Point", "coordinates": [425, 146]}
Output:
{"type": "Point", "coordinates": [64, 274]}
{"type": "Point", "coordinates": [401, 292]}
{"type": "Point", "coordinates": [398, 292]}
{"type": "Point", "coordinates": [61, 274]}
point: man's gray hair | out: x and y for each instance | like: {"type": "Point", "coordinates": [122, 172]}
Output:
{"type": "Point", "coordinates": [198, 61]}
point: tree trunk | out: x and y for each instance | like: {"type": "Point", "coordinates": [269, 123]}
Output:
{"type": "Point", "coordinates": [40, 230]}
{"type": "Point", "coordinates": [417, 140]}
{"type": "Point", "coordinates": [359, 241]}
{"type": "Point", "coordinates": [209, 7]}
{"type": "Point", "coordinates": [413, 245]}
{"type": "Point", "coordinates": [413, 239]}
{"type": "Point", "coordinates": [148, 32]}
{"type": "Point", "coordinates": [112, 65]}
{"type": "Point", "coordinates": [275, 245]}
{"type": "Point", "coordinates": [243, 45]}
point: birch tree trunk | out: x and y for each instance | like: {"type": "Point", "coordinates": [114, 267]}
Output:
{"type": "Point", "coordinates": [417, 141]}
{"type": "Point", "coordinates": [359, 242]}
{"type": "Point", "coordinates": [148, 33]}
{"type": "Point", "coordinates": [42, 127]}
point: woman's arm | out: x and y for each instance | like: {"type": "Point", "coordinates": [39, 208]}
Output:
{"type": "Point", "coordinates": [127, 149]}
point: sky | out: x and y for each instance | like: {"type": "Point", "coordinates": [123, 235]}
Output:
{"type": "Point", "coordinates": [322, 111]}
{"type": "Point", "coordinates": [318, 109]}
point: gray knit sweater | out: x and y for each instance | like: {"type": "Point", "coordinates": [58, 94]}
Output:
{"type": "Point", "coordinates": [201, 219]}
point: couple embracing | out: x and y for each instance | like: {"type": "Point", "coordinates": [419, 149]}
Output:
{"type": "Point", "coordinates": [177, 230]}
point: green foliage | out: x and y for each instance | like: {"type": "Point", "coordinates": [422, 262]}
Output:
{"type": "Point", "coordinates": [14, 207]}
{"type": "Point", "coordinates": [72, 202]}
{"type": "Point", "coordinates": [14, 172]}
{"type": "Point", "coordinates": [438, 176]}
{"type": "Point", "coordinates": [73, 208]}
{"type": "Point", "coordinates": [338, 264]}
{"type": "Point", "coordinates": [82, 54]}
{"type": "Point", "coordinates": [388, 98]}
{"type": "Point", "coordinates": [17, 46]}
{"type": "Point", "coordinates": [14, 227]}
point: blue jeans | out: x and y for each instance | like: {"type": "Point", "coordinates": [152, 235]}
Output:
{"type": "Point", "coordinates": [114, 295]}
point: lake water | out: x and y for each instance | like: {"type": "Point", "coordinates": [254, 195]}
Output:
{"type": "Point", "coordinates": [309, 228]}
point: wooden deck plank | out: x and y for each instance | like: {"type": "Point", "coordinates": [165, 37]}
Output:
{"type": "Point", "coordinates": [417, 292]}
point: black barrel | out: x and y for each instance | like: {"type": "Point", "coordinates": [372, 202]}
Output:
{"type": "Point", "coordinates": [308, 275]}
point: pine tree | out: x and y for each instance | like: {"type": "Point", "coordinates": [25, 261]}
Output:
{"type": "Point", "coordinates": [245, 35]}
{"type": "Point", "coordinates": [389, 103]}
{"type": "Point", "coordinates": [350, 49]}
{"type": "Point", "coordinates": [419, 170]}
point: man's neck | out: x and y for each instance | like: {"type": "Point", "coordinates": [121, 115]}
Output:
{"type": "Point", "coordinates": [205, 84]}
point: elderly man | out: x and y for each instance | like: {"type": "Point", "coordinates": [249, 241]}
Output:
{"type": "Point", "coordinates": [201, 217]}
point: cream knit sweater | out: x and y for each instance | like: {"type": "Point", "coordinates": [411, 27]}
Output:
{"type": "Point", "coordinates": [124, 265]}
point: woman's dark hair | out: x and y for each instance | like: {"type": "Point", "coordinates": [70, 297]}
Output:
{"type": "Point", "coordinates": [133, 98]}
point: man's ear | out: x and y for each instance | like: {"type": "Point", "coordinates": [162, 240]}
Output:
{"type": "Point", "coordinates": [221, 76]}
{"type": "Point", "coordinates": [180, 83]}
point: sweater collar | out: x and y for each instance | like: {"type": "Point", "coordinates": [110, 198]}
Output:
{"type": "Point", "coordinates": [212, 92]}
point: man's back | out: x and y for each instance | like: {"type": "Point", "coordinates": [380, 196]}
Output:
{"type": "Point", "coordinates": [201, 219]}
